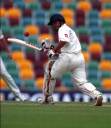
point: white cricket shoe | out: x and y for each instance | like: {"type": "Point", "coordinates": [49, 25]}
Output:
{"type": "Point", "coordinates": [49, 100]}
{"type": "Point", "coordinates": [99, 100]}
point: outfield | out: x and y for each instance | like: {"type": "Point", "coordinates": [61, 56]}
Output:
{"type": "Point", "coordinates": [60, 115]}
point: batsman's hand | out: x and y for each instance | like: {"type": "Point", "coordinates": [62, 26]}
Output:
{"type": "Point", "coordinates": [46, 45]}
{"type": "Point", "coordinates": [51, 53]}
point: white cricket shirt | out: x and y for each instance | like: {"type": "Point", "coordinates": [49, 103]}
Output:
{"type": "Point", "coordinates": [65, 33]}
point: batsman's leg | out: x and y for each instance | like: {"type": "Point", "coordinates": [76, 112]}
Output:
{"type": "Point", "coordinates": [49, 84]}
{"type": "Point", "coordinates": [10, 82]}
{"type": "Point", "coordinates": [79, 76]}
{"type": "Point", "coordinates": [53, 71]}
{"type": "Point", "coordinates": [91, 90]}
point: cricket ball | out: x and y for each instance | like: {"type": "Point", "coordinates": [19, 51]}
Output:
{"type": "Point", "coordinates": [26, 34]}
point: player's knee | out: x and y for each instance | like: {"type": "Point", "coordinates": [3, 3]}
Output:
{"type": "Point", "coordinates": [53, 75]}
{"type": "Point", "coordinates": [48, 74]}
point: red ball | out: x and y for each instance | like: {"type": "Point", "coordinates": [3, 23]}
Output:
{"type": "Point", "coordinates": [26, 34]}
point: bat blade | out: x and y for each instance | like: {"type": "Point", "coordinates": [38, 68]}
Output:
{"type": "Point", "coordinates": [24, 43]}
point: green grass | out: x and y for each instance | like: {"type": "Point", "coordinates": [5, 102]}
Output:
{"type": "Point", "coordinates": [60, 115]}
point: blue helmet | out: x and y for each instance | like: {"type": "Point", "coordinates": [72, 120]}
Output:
{"type": "Point", "coordinates": [56, 17]}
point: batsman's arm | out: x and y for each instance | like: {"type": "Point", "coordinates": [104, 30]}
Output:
{"type": "Point", "coordinates": [59, 46]}
{"type": "Point", "coordinates": [56, 50]}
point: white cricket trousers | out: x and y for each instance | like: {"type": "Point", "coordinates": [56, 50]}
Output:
{"type": "Point", "coordinates": [76, 65]}
{"type": "Point", "coordinates": [9, 80]}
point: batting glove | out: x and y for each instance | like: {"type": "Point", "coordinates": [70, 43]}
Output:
{"type": "Point", "coordinates": [51, 53]}
{"type": "Point", "coordinates": [46, 45]}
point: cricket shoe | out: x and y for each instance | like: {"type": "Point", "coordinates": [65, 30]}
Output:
{"type": "Point", "coordinates": [99, 100]}
{"type": "Point", "coordinates": [48, 100]}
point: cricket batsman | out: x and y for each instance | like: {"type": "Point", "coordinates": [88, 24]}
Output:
{"type": "Point", "coordinates": [5, 75]}
{"type": "Point", "coordinates": [70, 58]}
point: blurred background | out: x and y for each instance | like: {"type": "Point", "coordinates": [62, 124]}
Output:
{"type": "Point", "coordinates": [90, 19]}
